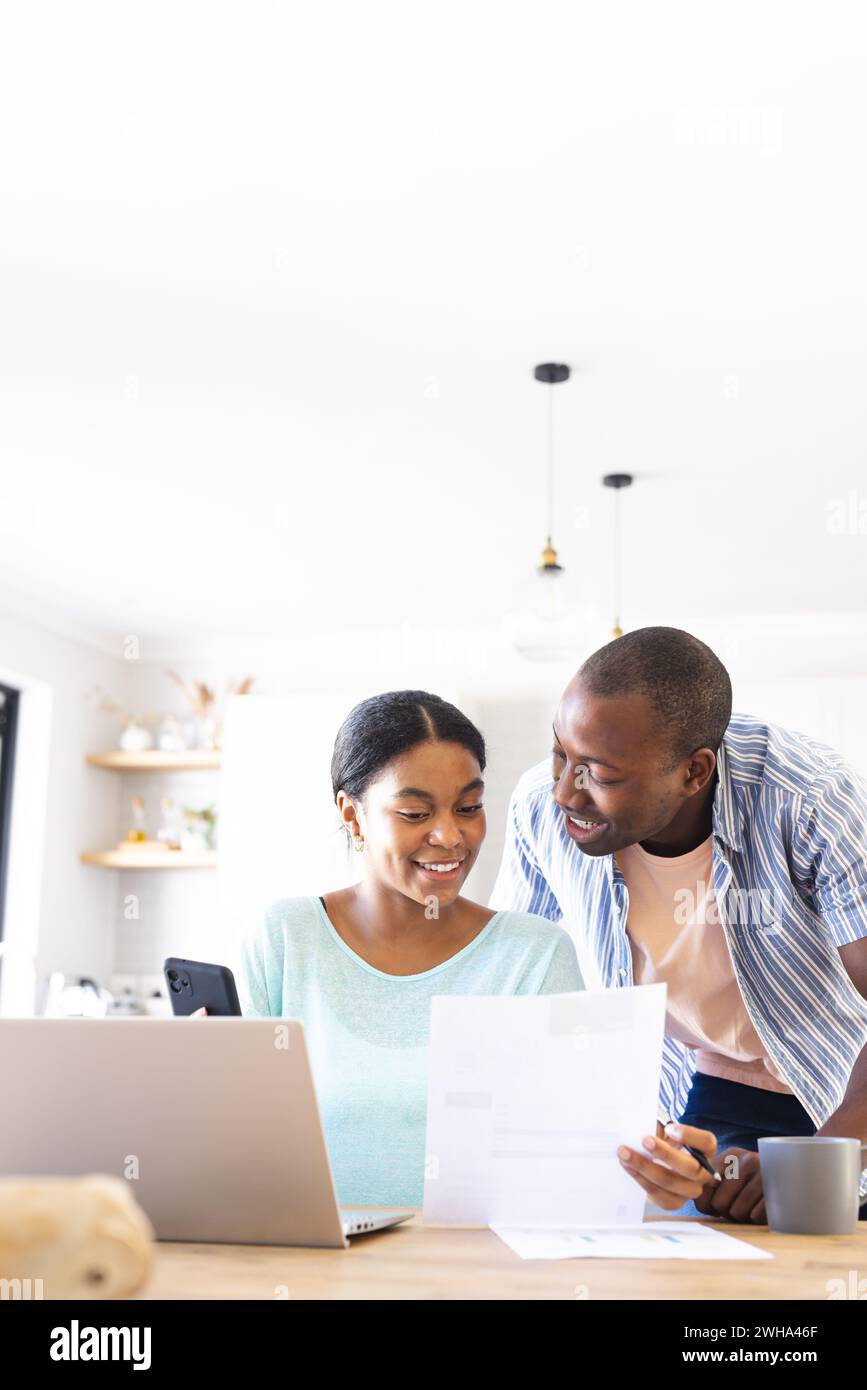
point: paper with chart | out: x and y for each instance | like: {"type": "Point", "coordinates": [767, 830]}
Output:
{"type": "Point", "coordinates": [655, 1240]}
{"type": "Point", "coordinates": [528, 1099]}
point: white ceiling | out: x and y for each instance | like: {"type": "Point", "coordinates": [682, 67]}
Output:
{"type": "Point", "coordinates": [273, 279]}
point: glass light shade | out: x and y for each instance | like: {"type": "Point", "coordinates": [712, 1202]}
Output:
{"type": "Point", "coordinates": [550, 622]}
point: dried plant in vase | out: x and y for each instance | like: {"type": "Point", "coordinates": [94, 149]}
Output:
{"type": "Point", "coordinates": [135, 736]}
{"type": "Point", "coordinates": [207, 713]}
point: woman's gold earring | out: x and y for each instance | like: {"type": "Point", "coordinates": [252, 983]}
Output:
{"type": "Point", "coordinates": [358, 844]}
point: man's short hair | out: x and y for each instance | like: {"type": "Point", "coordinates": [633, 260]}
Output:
{"type": "Point", "coordinates": [684, 680]}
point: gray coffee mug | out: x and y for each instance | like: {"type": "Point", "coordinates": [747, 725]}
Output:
{"type": "Point", "coordinates": [811, 1184]}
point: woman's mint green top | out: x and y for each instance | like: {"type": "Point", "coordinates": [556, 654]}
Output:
{"type": "Point", "coordinates": [367, 1032]}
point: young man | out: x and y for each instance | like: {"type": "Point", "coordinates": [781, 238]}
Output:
{"type": "Point", "coordinates": [727, 857]}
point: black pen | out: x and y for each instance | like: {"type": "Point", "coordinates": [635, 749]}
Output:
{"type": "Point", "coordinates": [696, 1154]}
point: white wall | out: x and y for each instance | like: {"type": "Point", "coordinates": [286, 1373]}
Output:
{"type": "Point", "coordinates": [59, 910]}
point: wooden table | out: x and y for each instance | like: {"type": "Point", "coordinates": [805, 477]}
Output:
{"type": "Point", "coordinates": [413, 1261]}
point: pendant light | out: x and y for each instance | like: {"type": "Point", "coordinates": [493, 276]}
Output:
{"type": "Point", "coordinates": [551, 373]}
{"type": "Point", "coordinates": [549, 626]}
{"type": "Point", "coordinates": [617, 481]}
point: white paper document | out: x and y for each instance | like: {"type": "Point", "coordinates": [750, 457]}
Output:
{"type": "Point", "coordinates": [655, 1240]}
{"type": "Point", "coordinates": [528, 1099]}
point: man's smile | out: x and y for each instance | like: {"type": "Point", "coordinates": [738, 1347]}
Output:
{"type": "Point", "coordinates": [584, 830]}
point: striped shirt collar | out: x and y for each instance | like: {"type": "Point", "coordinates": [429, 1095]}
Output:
{"type": "Point", "coordinates": [727, 819]}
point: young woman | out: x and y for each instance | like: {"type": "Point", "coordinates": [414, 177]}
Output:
{"type": "Point", "coordinates": [361, 965]}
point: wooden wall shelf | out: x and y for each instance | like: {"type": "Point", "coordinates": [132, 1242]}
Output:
{"type": "Point", "coordinates": [152, 859]}
{"type": "Point", "coordinates": [193, 760]}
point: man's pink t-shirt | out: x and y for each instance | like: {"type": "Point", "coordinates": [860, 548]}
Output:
{"type": "Point", "coordinates": [675, 936]}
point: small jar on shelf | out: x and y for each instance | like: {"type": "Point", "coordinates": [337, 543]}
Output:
{"type": "Point", "coordinates": [137, 832]}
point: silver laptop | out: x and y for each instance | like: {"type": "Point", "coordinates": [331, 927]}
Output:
{"type": "Point", "coordinates": [213, 1121]}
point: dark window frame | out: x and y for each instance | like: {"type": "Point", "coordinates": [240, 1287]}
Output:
{"type": "Point", "coordinates": [8, 732]}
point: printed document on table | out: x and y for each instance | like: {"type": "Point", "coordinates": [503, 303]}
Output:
{"type": "Point", "coordinates": [528, 1099]}
{"type": "Point", "coordinates": [655, 1240]}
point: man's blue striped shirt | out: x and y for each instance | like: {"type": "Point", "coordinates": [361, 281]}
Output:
{"type": "Point", "coordinates": [790, 878]}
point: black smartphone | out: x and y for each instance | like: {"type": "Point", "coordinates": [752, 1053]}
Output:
{"type": "Point", "coordinates": [196, 984]}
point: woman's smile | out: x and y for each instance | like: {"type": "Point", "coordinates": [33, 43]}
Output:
{"type": "Point", "coordinates": [447, 869]}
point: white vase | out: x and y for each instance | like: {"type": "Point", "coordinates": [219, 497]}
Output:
{"type": "Point", "coordinates": [171, 740]}
{"type": "Point", "coordinates": [206, 731]}
{"type": "Point", "coordinates": [135, 738]}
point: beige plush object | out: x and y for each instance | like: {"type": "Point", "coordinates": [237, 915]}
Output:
{"type": "Point", "coordinates": [73, 1238]}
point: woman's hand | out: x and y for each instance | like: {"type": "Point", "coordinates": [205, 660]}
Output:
{"type": "Point", "coordinates": [668, 1174]}
{"type": "Point", "coordinates": [199, 1013]}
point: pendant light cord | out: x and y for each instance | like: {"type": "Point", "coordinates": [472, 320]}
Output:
{"type": "Point", "coordinates": [550, 461]}
{"type": "Point", "coordinates": [617, 558]}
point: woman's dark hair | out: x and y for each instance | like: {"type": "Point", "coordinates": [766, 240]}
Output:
{"type": "Point", "coordinates": [385, 726]}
